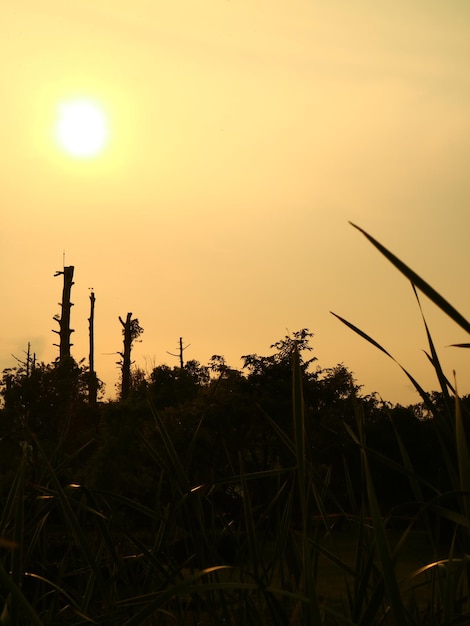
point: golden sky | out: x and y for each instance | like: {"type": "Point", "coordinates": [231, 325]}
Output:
{"type": "Point", "coordinates": [243, 136]}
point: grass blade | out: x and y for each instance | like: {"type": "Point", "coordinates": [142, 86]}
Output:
{"type": "Point", "coordinates": [463, 456]}
{"type": "Point", "coordinates": [180, 474]}
{"type": "Point", "coordinates": [434, 357]}
{"type": "Point", "coordinates": [157, 602]}
{"type": "Point", "coordinates": [311, 612]}
{"type": "Point", "coordinates": [17, 596]}
{"type": "Point", "coordinates": [383, 550]}
{"type": "Point", "coordinates": [75, 527]}
{"type": "Point", "coordinates": [365, 336]}
{"type": "Point", "coordinates": [421, 284]}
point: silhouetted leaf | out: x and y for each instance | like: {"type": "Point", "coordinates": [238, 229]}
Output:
{"type": "Point", "coordinates": [421, 284]}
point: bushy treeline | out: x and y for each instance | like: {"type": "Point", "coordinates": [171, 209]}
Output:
{"type": "Point", "coordinates": [219, 419]}
{"type": "Point", "coordinates": [130, 511]}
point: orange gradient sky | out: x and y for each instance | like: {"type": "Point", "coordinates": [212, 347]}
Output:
{"type": "Point", "coordinates": [242, 138]}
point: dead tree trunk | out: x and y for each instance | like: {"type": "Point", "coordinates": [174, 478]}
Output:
{"type": "Point", "coordinates": [126, 356]}
{"type": "Point", "coordinates": [28, 360]}
{"type": "Point", "coordinates": [93, 381]}
{"type": "Point", "coordinates": [131, 330]}
{"type": "Point", "coordinates": [180, 352]}
{"type": "Point", "coordinates": [64, 319]}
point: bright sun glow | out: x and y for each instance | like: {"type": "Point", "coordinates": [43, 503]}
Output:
{"type": "Point", "coordinates": [81, 128]}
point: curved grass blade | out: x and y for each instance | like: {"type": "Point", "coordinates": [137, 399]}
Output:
{"type": "Point", "coordinates": [10, 502]}
{"type": "Point", "coordinates": [463, 456]}
{"type": "Point", "coordinates": [179, 471]}
{"type": "Point", "coordinates": [383, 550]}
{"type": "Point", "coordinates": [17, 565]}
{"type": "Point", "coordinates": [14, 518]}
{"type": "Point", "coordinates": [60, 590]}
{"type": "Point", "coordinates": [421, 284]}
{"type": "Point", "coordinates": [16, 594]}
{"type": "Point", "coordinates": [446, 380]}
{"type": "Point", "coordinates": [434, 357]}
{"type": "Point", "coordinates": [157, 601]}
{"type": "Point", "coordinates": [73, 523]}
{"type": "Point", "coordinates": [310, 612]}
{"type": "Point", "coordinates": [253, 544]}
{"type": "Point", "coordinates": [365, 336]}
{"type": "Point", "coordinates": [299, 430]}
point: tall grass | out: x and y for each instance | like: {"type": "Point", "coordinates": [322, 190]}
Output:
{"type": "Point", "coordinates": [74, 554]}
{"type": "Point", "coordinates": [448, 585]}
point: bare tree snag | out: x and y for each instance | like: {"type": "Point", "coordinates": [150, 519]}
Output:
{"type": "Point", "coordinates": [180, 352]}
{"type": "Point", "coordinates": [64, 319]}
{"type": "Point", "coordinates": [93, 381]}
{"type": "Point", "coordinates": [126, 357]}
{"type": "Point", "coordinates": [131, 330]}
{"type": "Point", "coordinates": [30, 362]}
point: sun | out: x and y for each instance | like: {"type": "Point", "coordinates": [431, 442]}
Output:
{"type": "Point", "coordinates": [82, 129]}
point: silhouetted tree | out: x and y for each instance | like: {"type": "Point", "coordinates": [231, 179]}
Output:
{"type": "Point", "coordinates": [64, 319]}
{"type": "Point", "coordinates": [180, 352]}
{"type": "Point", "coordinates": [131, 330]}
{"type": "Point", "coordinates": [46, 401]}
{"type": "Point", "coordinates": [93, 380]}
{"type": "Point", "coordinates": [259, 365]}
{"type": "Point", "coordinates": [171, 387]}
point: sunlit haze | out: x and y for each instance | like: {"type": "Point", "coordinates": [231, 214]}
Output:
{"type": "Point", "coordinates": [239, 140]}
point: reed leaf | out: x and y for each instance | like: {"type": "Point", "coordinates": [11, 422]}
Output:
{"type": "Point", "coordinates": [421, 284]}
{"type": "Point", "coordinates": [415, 484]}
{"type": "Point", "coordinates": [9, 505]}
{"type": "Point", "coordinates": [250, 529]}
{"type": "Point", "coordinates": [445, 380]}
{"type": "Point", "coordinates": [71, 520]}
{"type": "Point", "coordinates": [463, 457]}
{"type": "Point", "coordinates": [18, 530]}
{"type": "Point", "coordinates": [434, 357]}
{"type": "Point", "coordinates": [179, 471]}
{"type": "Point", "coordinates": [156, 602]}
{"type": "Point", "coordinates": [383, 551]}
{"type": "Point", "coordinates": [16, 598]}
{"type": "Point", "coordinates": [299, 431]}
{"type": "Point", "coordinates": [311, 612]}
{"type": "Point", "coordinates": [451, 580]}
{"type": "Point", "coordinates": [417, 386]}
{"type": "Point", "coordinates": [14, 511]}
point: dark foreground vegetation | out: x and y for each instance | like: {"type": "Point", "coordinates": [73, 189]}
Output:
{"type": "Point", "coordinates": [215, 496]}
{"type": "Point", "coordinates": [278, 494]}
